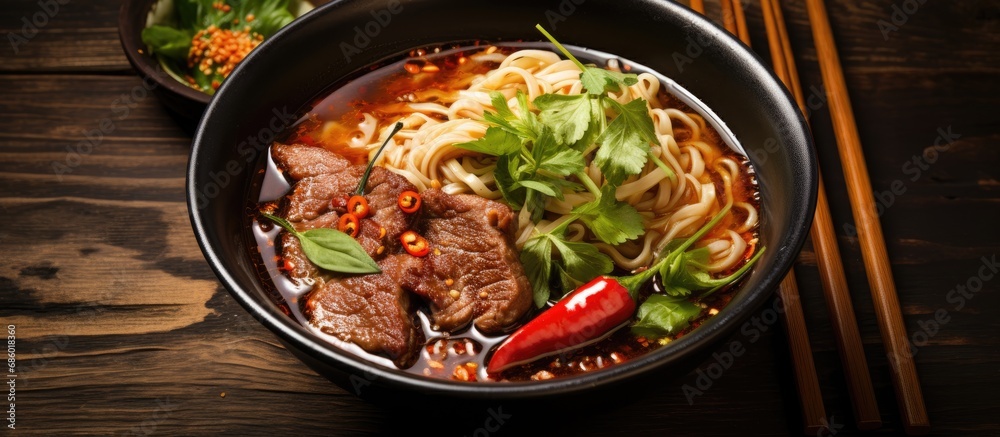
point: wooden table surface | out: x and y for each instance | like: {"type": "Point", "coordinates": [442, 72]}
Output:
{"type": "Point", "coordinates": [122, 328]}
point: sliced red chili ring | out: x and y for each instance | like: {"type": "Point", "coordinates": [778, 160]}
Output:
{"type": "Point", "coordinates": [409, 201]}
{"type": "Point", "coordinates": [415, 244]}
{"type": "Point", "coordinates": [349, 224]}
{"type": "Point", "coordinates": [358, 206]}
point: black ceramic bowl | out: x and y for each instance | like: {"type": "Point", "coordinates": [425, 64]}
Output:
{"type": "Point", "coordinates": [297, 64]}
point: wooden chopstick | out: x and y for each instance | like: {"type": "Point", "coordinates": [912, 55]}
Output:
{"type": "Point", "coordinates": [876, 259]}
{"type": "Point", "coordinates": [729, 17]}
{"type": "Point", "coordinates": [698, 6]}
{"type": "Point", "coordinates": [813, 411]}
{"type": "Point", "coordinates": [831, 270]}
{"type": "Point", "coordinates": [741, 23]}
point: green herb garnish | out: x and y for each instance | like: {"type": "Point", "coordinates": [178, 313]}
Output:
{"type": "Point", "coordinates": [685, 272]}
{"type": "Point", "coordinates": [331, 249]}
{"type": "Point", "coordinates": [682, 274]}
{"type": "Point", "coordinates": [537, 151]}
{"type": "Point", "coordinates": [577, 263]}
{"type": "Point", "coordinates": [661, 315]}
{"type": "Point", "coordinates": [625, 141]}
{"type": "Point", "coordinates": [172, 42]}
{"type": "Point", "coordinates": [613, 222]}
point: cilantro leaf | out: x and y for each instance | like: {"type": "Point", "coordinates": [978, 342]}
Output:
{"type": "Point", "coordinates": [685, 271]}
{"type": "Point", "coordinates": [496, 142]}
{"type": "Point", "coordinates": [504, 174]}
{"type": "Point", "coordinates": [563, 162]}
{"type": "Point", "coordinates": [549, 155]}
{"type": "Point", "coordinates": [525, 125]}
{"type": "Point", "coordinates": [542, 168]}
{"type": "Point", "coordinates": [637, 116]}
{"type": "Point", "coordinates": [595, 79]}
{"type": "Point", "coordinates": [536, 256]}
{"type": "Point", "coordinates": [539, 186]}
{"type": "Point", "coordinates": [597, 125]}
{"type": "Point", "coordinates": [613, 222]}
{"type": "Point", "coordinates": [625, 142]}
{"type": "Point", "coordinates": [577, 263]}
{"type": "Point", "coordinates": [600, 81]}
{"type": "Point", "coordinates": [692, 275]}
{"type": "Point", "coordinates": [535, 204]}
{"type": "Point", "coordinates": [528, 119]}
{"type": "Point", "coordinates": [569, 117]}
{"type": "Point", "coordinates": [581, 262]}
{"type": "Point", "coordinates": [660, 316]}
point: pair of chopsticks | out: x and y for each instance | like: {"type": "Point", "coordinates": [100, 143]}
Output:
{"type": "Point", "coordinates": [813, 411]}
{"type": "Point", "coordinates": [838, 299]}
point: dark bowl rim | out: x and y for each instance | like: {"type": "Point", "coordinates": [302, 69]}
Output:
{"type": "Point", "coordinates": [704, 337]}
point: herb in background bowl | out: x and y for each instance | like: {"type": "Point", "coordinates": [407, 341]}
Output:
{"type": "Point", "coordinates": [199, 42]}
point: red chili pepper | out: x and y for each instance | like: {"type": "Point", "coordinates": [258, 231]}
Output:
{"type": "Point", "coordinates": [415, 244]}
{"type": "Point", "coordinates": [409, 201]}
{"type": "Point", "coordinates": [358, 206]}
{"type": "Point", "coordinates": [586, 314]}
{"type": "Point", "coordinates": [349, 224]}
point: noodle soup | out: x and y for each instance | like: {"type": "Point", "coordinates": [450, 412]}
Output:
{"type": "Point", "coordinates": [446, 99]}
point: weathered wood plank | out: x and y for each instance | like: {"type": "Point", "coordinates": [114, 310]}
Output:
{"type": "Point", "coordinates": [61, 36]}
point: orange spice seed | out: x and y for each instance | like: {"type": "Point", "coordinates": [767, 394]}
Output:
{"type": "Point", "coordinates": [221, 49]}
